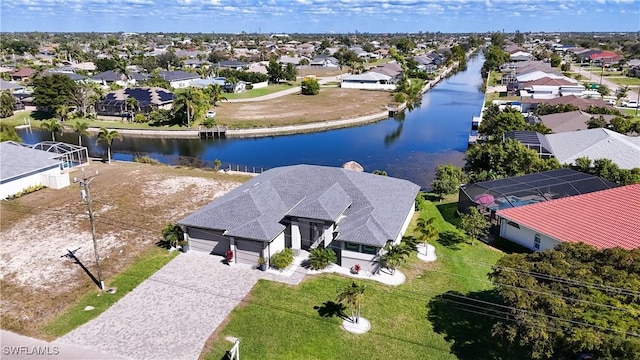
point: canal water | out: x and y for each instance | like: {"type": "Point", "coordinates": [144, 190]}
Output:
{"type": "Point", "coordinates": [410, 148]}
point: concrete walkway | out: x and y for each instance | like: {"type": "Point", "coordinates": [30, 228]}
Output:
{"type": "Point", "coordinates": [173, 313]}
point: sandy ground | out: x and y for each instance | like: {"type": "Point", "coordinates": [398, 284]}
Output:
{"type": "Point", "coordinates": [131, 203]}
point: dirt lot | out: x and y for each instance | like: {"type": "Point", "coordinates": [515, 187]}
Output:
{"type": "Point", "coordinates": [131, 202]}
{"type": "Point", "coordinates": [331, 103]}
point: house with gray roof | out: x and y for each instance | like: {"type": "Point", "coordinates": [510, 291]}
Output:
{"type": "Point", "coordinates": [178, 79]}
{"type": "Point", "coordinates": [303, 207]}
{"type": "Point", "coordinates": [22, 167]}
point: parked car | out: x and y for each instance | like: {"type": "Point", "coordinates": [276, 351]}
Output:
{"type": "Point", "coordinates": [210, 114]}
{"type": "Point", "coordinates": [630, 104]}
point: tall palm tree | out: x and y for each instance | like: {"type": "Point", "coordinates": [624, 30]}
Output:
{"type": "Point", "coordinates": [132, 104]}
{"type": "Point", "coordinates": [108, 136]}
{"type": "Point", "coordinates": [189, 100]}
{"type": "Point", "coordinates": [81, 128]}
{"type": "Point", "coordinates": [215, 94]}
{"type": "Point", "coordinates": [121, 68]}
{"type": "Point", "coordinates": [352, 295]}
{"type": "Point", "coordinates": [52, 125]}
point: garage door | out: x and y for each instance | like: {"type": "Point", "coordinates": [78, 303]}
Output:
{"type": "Point", "coordinates": [207, 241]}
{"type": "Point", "coordinates": [248, 252]}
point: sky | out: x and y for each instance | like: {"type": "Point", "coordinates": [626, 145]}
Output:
{"type": "Point", "coordinates": [319, 16]}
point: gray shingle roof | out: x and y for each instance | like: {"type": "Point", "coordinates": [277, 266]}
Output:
{"type": "Point", "coordinates": [17, 160]}
{"type": "Point", "coordinates": [177, 75]}
{"type": "Point", "coordinates": [596, 144]}
{"type": "Point", "coordinates": [373, 207]}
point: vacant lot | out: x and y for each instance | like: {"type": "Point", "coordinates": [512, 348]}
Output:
{"type": "Point", "coordinates": [329, 104]}
{"type": "Point", "coordinates": [131, 202]}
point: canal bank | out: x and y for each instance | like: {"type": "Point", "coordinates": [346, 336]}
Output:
{"type": "Point", "coordinates": [408, 146]}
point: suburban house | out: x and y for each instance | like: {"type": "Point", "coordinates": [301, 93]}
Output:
{"type": "Point", "coordinates": [595, 144]}
{"type": "Point", "coordinates": [178, 79]}
{"type": "Point", "coordinates": [232, 64]}
{"type": "Point", "coordinates": [110, 76]}
{"type": "Point", "coordinates": [604, 219]}
{"type": "Point", "coordinates": [22, 167]}
{"type": "Point", "coordinates": [22, 74]}
{"type": "Point", "coordinates": [494, 195]}
{"type": "Point", "coordinates": [148, 99]}
{"type": "Point", "coordinates": [368, 81]}
{"type": "Point", "coordinates": [520, 55]}
{"type": "Point", "coordinates": [569, 121]}
{"type": "Point", "coordinates": [324, 61]}
{"type": "Point", "coordinates": [303, 207]}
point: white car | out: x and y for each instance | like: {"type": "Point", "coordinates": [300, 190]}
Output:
{"type": "Point", "coordinates": [630, 104]}
{"type": "Point", "coordinates": [210, 114]}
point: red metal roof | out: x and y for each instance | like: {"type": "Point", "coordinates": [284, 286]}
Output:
{"type": "Point", "coordinates": [604, 219]}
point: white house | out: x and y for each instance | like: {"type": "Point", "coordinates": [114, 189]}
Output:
{"type": "Point", "coordinates": [604, 219]}
{"type": "Point", "coordinates": [22, 167]}
{"type": "Point", "coordinates": [303, 207]}
{"type": "Point", "coordinates": [368, 81]}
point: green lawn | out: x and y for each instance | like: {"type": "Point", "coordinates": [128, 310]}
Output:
{"type": "Point", "coordinates": [124, 282]}
{"type": "Point", "coordinates": [411, 321]}
{"type": "Point", "coordinates": [625, 81]}
{"type": "Point", "coordinates": [494, 78]}
{"type": "Point", "coordinates": [488, 99]}
{"type": "Point", "coordinates": [259, 92]}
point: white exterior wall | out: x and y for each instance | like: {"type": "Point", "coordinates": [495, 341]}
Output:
{"type": "Point", "coordinates": [367, 86]}
{"type": "Point", "coordinates": [296, 243]}
{"type": "Point", "coordinates": [181, 84]}
{"type": "Point", "coordinates": [275, 246]}
{"type": "Point", "coordinates": [260, 85]}
{"type": "Point", "coordinates": [405, 225]}
{"type": "Point", "coordinates": [327, 234]}
{"type": "Point", "coordinates": [51, 178]}
{"type": "Point", "coordinates": [367, 262]}
{"type": "Point", "coordinates": [525, 236]}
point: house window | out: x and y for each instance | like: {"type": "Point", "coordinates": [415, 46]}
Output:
{"type": "Point", "coordinates": [511, 223]}
{"type": "Point", "coordinates": [352, 247]}
{"type": "Point", "coordinates": [369, 249]}
{"type": "Point", "coordinates": [536, 242]}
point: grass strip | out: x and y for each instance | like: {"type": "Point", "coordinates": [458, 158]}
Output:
{"type": "Point", "coordinates": [124, 282]}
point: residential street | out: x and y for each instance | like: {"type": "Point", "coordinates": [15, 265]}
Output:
{"type": "Point", "coordinates": [632, 95]}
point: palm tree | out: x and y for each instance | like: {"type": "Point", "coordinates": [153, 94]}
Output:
{"type": "Point", "coordinates": [188, 99]}
{"type": "Point", "coordinates": [52, 125]}
{"type": "Point", "coordinates": [62, 111]}
{"type": "Point", "coordinates": [81, 128]}
{"type": "Point", "coordinates": [108, 136]}
{"type": "Point", "coordinates": [121, 68]}
{"type": "Point", "coordinates": [394, 256]}
{"type": "Point", "coordinates": [215, 94]}
{"type": "Point", "coordinates": [352, 295]}
{"type": "Point", "coordinates": [132, 104]}
{"type": "Point", "coordinates": [426, 230]}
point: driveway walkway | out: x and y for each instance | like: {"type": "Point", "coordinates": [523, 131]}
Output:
{"type": "Point", "coordinates": [171, 314]}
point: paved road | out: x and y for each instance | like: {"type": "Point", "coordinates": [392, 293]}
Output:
{"type": "Point", "coordinates": [171, 314]}
{"type": "Point", "coordinates": [595, 77]}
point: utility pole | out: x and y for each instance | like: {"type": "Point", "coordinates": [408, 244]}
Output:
{"type": "Point", "coordinates": [86, 197]}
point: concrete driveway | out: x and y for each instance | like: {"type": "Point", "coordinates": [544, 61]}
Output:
{"type": "Point", "coordinates": [171, 314]}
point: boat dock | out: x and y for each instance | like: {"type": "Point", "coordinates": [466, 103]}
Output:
{"type": "Point", "coordinates": [215, 132]}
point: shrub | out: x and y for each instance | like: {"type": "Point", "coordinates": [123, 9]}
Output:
{"type": "Point", "coordinates": [146, 160]}
{"type": "Point", "coordinates": [209, 123]}
{"type": "Point", "coordinates": [321, 258]}
{"type": "Point", "coordinates": [173, 235]}
{"type": "Point", "coordinates": [28, 190]}
{"type": "Point", "coordinates": [310, 87]}
{"type": "Point", "coordinates": [282, 259]}
{"type": "Point", "coordinates": [140, 118]}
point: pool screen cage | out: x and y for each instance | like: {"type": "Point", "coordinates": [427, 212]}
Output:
{"type": "Point", "coordinates": [70, 155]}
{"type": "Point", "coordinates": [493, 195]}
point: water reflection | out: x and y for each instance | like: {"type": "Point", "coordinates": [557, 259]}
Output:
{"type": "Point", "coordinates": [409, 146]}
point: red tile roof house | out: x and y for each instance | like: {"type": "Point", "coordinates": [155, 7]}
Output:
{"type": "Point", "coordinates": [604, 219]}
{"type": "Point", "coordinates": [22, 74]}
{"type": "Point", "coordinates": [605, 57]}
